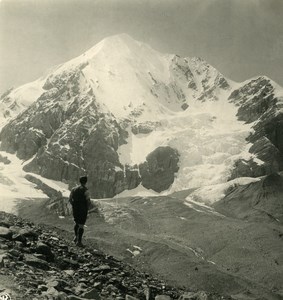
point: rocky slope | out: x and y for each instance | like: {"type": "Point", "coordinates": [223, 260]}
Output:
{"type": "Point", "coordinates": [234, 248]}
{"type": "Point", "coordinates": [38, 262]}
{"type": "Point", "coordinates": [260, 200]}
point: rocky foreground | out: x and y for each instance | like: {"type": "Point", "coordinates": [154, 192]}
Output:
{"type": "Point", "coordinates": [36, 262]}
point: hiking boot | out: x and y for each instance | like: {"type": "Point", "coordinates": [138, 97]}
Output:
{"type": "Point", "coordinates": [79, 237]}
{"type": "Point", "coordinates": [80, 244]}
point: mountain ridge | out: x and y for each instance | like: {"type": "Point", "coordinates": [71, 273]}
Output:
{"type": "Point", "coordinates": [123, 105]}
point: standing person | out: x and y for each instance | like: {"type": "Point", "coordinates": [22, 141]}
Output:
{"type": "Point", "coordinates": [80, 201]}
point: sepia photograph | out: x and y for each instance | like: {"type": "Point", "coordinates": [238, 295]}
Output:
{"type": "Point", "coordinates": [141, 149]}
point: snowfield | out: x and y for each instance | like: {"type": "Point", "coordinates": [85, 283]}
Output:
{"type": "Point", "coordinates": [14, 186]}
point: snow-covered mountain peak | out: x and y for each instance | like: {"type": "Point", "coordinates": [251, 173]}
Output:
{"type": "Point", "coordinates": [128, 78]}
{"type": "Point", "coordinates": [113, 49]}
{"type": "Point", "coordinates": [122, 41]}
{"type": "Point", "coordinates": [154, 84]}
{"type": "Point", "coordinates": [106, 111]}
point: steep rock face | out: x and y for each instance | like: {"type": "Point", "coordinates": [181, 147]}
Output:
{"type": "Point", "coordinates": [270, 125]}
{"type": "Point", "coordinates": [31, 133]}
{"type": "Point", "coordinates": [129, 179]}
{"type": "Point", "coordinates": [157, 173]}
{"type": "Point", "coordinates": [197, 79]}
{"type": "Point", "coordinates": [74, 150]}
{"type": "Point", "coordinates": [68, 136]}
{"type": "Point", "coordinates": [258, 103]}
{"type": "Point", "coordinates": [254, 99]}
{"type": "Point", "coordinates": [211, 82]}
{"type": "Point", "coordinates": [268, 160]}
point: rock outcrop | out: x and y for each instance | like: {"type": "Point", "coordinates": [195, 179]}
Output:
{"type": "Point", "coordinates": [68, 142]}
{"type": "Point", "coordinates": [158, 172]}
{"type": "Point", "coordinates": [259, 104]}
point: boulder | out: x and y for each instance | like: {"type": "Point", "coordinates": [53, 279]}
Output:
{"type": "Point", "coordinates": [103, 268]}
{"type": "Point", "coordinates": [128, 297]}
{"type": "Point", "coordinates": [74, 297]}
{"type": "Point", "coordinates": [3, 258]}
{"type": "Point", "coordinates": [5, 223]}
{"type": "Point", "coordinates": [91, 294]}
{"type": "Point", "coordinates": [28, 233]}
{"type": "Point", "coordinates": [67, 262]}
{"type": "Point", "coordinates": [52, 293]}
{"type": "Point", "coordinates": [19, 237]}
{"type": "Point", "coordinates": [162, 297]}
{"type": "Point", "coordinates": [69, 272]}
{"type": "Point", "coordinates": [5, 232]}
{"type": "Point", "coordinates": [15, 253]}
{"type": "Point", "coordinates": [35, 262]}
{"type": "Point", "coordinates": [15, 229]}
{"type": "Point", "coordinates": [81, 288]}
{"type": "Point", "coordinates": [44, 249]}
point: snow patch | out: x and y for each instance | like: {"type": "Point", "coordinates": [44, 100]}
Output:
{"type": "Point", "coordinates": [138, 191]}
{"type": "Point", "coordinates": [201, 208]}
{"type": "Point", "coordinates": [208, 195]}
{"type": "Point", "coordinates": [13, 185]}
{"type": "Point", "coordinates": [56, 185]}
{"type": "Point", "coordinates": [137, 247]}
{"type": "Point", "coordinates": [140, 145]}
{"type": "Point", "coordinates": [136, 250]}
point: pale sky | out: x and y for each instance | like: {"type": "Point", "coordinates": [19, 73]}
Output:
{"type": "Point", "coordinates": [241, 38]}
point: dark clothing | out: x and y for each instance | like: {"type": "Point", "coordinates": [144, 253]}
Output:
{"type": "Point", "coordinates": [80, 202]}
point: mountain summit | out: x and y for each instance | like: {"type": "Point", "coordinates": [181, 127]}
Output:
{"type": "Point", "coordinates": [128, 115]}
{"type": "Point", "coordinates": [127, 75]}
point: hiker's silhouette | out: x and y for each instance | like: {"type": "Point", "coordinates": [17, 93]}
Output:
{"type": "Point", "coordinates": [80, 201]}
